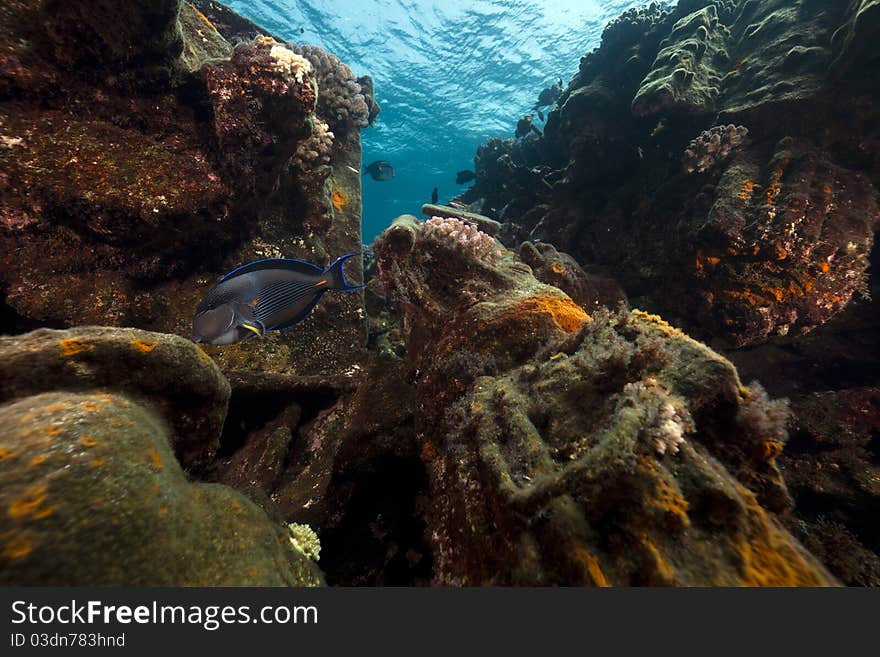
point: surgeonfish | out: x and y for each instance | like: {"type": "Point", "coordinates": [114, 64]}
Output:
{"type": "Point", "coordinates": [265, 295]}
{"type": "Point", "coordinates": [526, 125]}
{"type": "Point", "coordinates": [380, 170]}
{"type": "Point", "coordinates": [465, 176]}
{"type": "Point", "coordinates": [549, 95]}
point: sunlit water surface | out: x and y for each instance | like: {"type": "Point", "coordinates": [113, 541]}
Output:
{"type": "Point", "coordinates": [448, 75]}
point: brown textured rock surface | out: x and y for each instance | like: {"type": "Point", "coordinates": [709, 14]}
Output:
{"type": "Point", "coordinates": [142, 157]}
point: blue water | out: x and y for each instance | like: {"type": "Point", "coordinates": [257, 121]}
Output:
{"type": "Point", "coordinates": [448, 74]}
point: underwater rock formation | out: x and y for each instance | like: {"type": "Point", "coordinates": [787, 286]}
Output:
{"type": "Point", "coordinates": [164, 371]}
{"type": "Point", "coordinates": [143, 155]}
{"type": "Point", "coordinates": [713, 146]}
{"type": "Point", "coordinates": [589, 290]}
{"type": "Point", "coordinates": [770, 237]}
{"type": "Point", "coordinates": [604, 449]}
{"type": "Point", "coordinates": [342, 458]}
{"type": "Point", "coordinates": [831, 467]}
{"type": "Point", "coordinates": [94, 422]}
{"type": "Point", "coordinates": [686, 72]}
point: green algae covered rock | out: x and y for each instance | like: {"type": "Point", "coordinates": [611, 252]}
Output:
{"type": "Point", "coordinates": [855, 43]}
{"type": "Point", "coordinates": [686, 75]}
{"type": "Point", "coordinates": [94, 496]}
{"type": "Point", "coordinates": [164, 372]}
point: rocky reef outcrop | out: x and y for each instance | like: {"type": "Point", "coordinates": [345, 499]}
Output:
{"type": "Point", "coordinates": [96, 422]}
{"type": "Point", "coordinates": [719, 161]}
{"type": "Point", "coordinates": [148, 148]}
{"type": "Point", "coordinates": [769, 235]}
{"type": "Point", "coordinates": [604, 449]}
{"type": "Point", "coordinates": [501, 405]}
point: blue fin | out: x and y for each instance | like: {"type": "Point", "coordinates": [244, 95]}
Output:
{"type": "Point", "coordinates": [336, 273]}
{"type": "Point", "coordinates": [273, 263]}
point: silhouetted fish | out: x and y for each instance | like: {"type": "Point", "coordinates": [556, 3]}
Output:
{"type": "Point", "coordinates": [435, 195]}
{"type": "Point", "coordinates": [549, 95]}
{"type": "Point", "coordinates": [380, 170]}
{"type": "Point", "coordinates": [464, 176]}
{"type": "Point", "coordinates": [526, 125]}
{"type": "Point", "coordinates": [266, 295]}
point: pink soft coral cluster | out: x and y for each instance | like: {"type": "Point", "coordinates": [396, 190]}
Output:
{"type": "Point", "coordinates": [464, 237]}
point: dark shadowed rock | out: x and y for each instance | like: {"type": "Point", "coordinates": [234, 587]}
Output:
{"type": "Point", "coordinates": [831, 466]}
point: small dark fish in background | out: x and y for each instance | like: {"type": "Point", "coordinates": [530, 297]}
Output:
{"type": "Point", "coordinates": [526, 125]}
{"type": "Point", "coordinates": [434, 196]}
{"type": "Point", "coordinates": [380, 170]}
{"type": "Point", "coordinates": [549, 95]}
{"type": "Point", "coordinates": [465, 176]}
{"type": "Point", "coordinates": [540, 115]}
{"type": "Point", "coordinates": [265, 295]}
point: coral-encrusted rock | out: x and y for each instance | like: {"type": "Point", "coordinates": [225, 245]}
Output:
{"type": "Point", "coordinates": [587, 289]}
{"type": "Point", "coordinates": [164, 372]}
{"type": "Point", "coordinates": [779, 56]}
{"type": "Point", "coordinates": [731, 255]}
{"type": "Point", "coordinates": [93, 496]}
{"type": "Point", "coordinates": [631, 25]}
{"type": "Point", "coordinates": [789, 245]}
{"type": "Point", "coordinates": [261, 99]}
{"type": "Point", "coordinates": [565, 449]}
{"type": "Point", "coordinates": [831, 466]}
{"type": "Point", "coordinates": [142, 157]}
{"type": "Point", "coordinates": [686, 75]}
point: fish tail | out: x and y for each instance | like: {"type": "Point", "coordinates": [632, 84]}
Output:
{"type": "Point", "coordinates": [336, 273]}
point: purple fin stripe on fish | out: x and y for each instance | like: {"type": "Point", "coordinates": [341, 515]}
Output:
{"type": "Point", "coordinates": [283, 302]}
{"type": "Point", "coordinates": [270, 295]}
